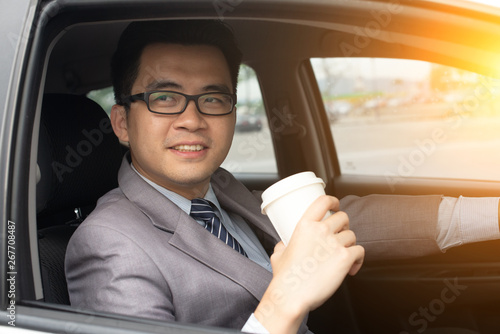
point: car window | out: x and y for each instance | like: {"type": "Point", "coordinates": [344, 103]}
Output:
{"type": "Point", "coordinates": [104, 97]}
{"type": "Point", "coordinates": [406, 118]}
{"type": "Point", "coordinates": [252, 150]}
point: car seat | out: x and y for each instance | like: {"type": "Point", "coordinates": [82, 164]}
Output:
{"type": "Point", "coordinates": [78, 161]}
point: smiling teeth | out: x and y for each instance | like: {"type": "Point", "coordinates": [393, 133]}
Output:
{"type": "Point", "coordinates": [188, 148]}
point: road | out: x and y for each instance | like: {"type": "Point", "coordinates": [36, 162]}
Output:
{"type": "Point", "coordinates": [452, 147]}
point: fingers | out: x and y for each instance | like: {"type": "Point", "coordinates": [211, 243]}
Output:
{"type": "Point", "coordinates": [278, 251]}
{"type": "Point", "coordinates": [279, 248]}
{"type": "Point", "coordinates": [337, 222]}
{"type": "Point", "coordinates": [319, 255]}
{"type": "Point", "coordinates": [346, 238]}
{"type": "Point", "coordinates": [318, 209]}
{"type": "Point", "coordinates": [359, 254]}
{"type": "Point", "coordinates": [332, 232]}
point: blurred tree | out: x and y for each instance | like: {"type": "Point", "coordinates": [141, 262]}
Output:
{"type": "Point", "coordinates": [104, 97]}
{"type": "Point", "coordinates": [445, 78]}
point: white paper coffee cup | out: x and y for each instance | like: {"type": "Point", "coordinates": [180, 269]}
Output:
{"type": "Point", "coordinates": [286, 201]}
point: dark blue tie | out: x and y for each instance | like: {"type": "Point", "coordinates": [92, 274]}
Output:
{"type": "Point", "coordinates": [202, 210]}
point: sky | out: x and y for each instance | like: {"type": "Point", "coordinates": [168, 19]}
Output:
{"type": "Point", "coordinates": [376, 68]}
{"type": "Point", "coordinates": [494, 3]}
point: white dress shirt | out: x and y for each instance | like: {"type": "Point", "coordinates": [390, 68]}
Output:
{"type": "Point", "coordinates": [467, 219]}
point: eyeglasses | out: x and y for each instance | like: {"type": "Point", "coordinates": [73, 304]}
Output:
{"type": "Point", "coordinates": [171, 103]}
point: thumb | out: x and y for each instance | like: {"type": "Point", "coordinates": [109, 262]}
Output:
{"type": "Point", "coordinates": [278, 251]}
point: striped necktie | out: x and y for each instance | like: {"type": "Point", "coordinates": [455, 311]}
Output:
{"type": "Point", "coordinates": [202, 210]}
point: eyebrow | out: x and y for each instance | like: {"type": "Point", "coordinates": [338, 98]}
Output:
{"type": "Point", "coordinates": [217, 88]}
{"type": "Point", "coordinates": [162, 85]}
{"type": "Point", "coordinates": [156, 85]}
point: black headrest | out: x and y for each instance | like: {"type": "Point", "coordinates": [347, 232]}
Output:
{"type": "Point", "coordinates": [78, 154]}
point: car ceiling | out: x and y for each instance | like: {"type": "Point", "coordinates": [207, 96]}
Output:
{"type": "Point", "coordinates": [434, 31]}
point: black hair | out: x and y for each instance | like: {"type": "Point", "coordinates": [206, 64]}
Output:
{"type": "Point", "coordinates": [126, 59]}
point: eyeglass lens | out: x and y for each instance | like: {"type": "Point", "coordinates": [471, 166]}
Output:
{"type": "Point", "coordinates": [171, 102]}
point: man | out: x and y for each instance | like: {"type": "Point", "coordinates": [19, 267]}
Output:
{"type": "Point", "coordinates": [145, 250]}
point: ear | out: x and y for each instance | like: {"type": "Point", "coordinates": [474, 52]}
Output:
{"type": "Point", "coordinates": [235, 115]}
{"type": "Point", "coordinates": [119, 122]}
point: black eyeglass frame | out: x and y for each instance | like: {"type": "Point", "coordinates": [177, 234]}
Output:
{"type": "Point", "coordinates": [145, 97]}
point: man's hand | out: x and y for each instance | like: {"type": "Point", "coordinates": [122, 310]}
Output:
{"type": "Point", "coordinates": [311, 268]}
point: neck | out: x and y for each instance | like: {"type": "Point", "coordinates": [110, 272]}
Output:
{"type": "Point", "coordinates": [191, 192]}
{"type": "Point", "coordinates": [187, 191]}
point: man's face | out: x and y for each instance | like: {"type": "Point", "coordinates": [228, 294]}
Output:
{"type": "Point", "coordinates": [179, 152]}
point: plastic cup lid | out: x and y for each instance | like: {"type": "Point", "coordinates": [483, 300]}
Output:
{"type": "Point", "coordinates": [287, 185]}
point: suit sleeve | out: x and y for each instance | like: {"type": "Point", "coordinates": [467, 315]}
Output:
{"type": "Point", "coordinates": [108, 272]}
{"type": "Point", "coordinates": [394, 226]}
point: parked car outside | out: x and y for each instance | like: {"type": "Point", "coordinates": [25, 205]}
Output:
{"type": "Point", "coordinates": [248, 123]}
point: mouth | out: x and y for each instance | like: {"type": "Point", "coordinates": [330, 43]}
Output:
{"type": "Point", "coordinates": [188, 148]}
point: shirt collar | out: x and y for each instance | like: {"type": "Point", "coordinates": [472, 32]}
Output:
{"type": "Point", "coordinates": [183, 203]}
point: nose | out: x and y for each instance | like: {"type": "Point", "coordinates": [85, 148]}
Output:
{"type": "Point", "coordinates": [191, 119]}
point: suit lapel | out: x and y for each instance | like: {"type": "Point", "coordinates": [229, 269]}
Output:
{"type": "Point", "coordinates": [163, 214]}
{"type": "Point", "coordinates": [193, 239]}
{"type": "Point", "coordinates": [234, 197]}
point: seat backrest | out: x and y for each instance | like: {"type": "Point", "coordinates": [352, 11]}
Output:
{"type": "Point", "coordinates": [78, 159]}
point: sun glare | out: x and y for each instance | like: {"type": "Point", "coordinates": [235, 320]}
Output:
{"type": "Point", "coordinates": [493, 3]}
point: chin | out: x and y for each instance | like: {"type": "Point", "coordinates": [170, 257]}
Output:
{"type": "Point", "coordinates": [191, 177]}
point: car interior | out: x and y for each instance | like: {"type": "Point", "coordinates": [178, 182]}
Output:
{"type": "Point", "coordinates": [71, 155]}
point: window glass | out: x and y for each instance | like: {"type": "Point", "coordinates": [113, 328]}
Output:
{"type": "Point", "coordinates": [405, 118]}
{"type": "Point", "coordinates": [252, 150]}
{"type": "Point", "coordinates": [104, 97]}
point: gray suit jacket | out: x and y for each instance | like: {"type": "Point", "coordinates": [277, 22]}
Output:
{"type": "Point", "coordinates": [139, 254]}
